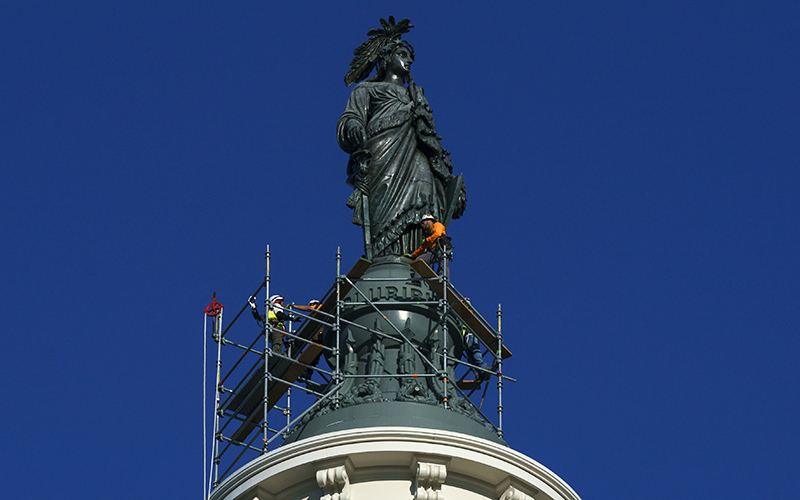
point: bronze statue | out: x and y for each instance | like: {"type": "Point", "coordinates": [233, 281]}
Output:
{"type": "Point", "coordinates": [398, 168]}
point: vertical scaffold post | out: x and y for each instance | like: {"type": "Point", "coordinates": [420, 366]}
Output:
{"type": "Point", "coordinates": [288, 410]}
{"type": "Point", "coordinates": [499, 358]}
{"type": "Point", "coordinates": [337, 374]}
{"type": "Point", "coordinates": [214, 310]}
{"type": "Point", "coordinates": [445, 283]}
{"type": "Point", "coordinates": [205, 410]}
{"type": "Point", "coordinates": [218, 336]}
{"type": "Point", "coordinates": [267, 353]}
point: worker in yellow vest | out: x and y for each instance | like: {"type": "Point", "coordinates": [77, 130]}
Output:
{"type": "Point", "coordinates": [277, 316]}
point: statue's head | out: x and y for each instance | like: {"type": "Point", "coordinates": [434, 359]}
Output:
{"type": "Point", "coordinates": [382, 51]}
{"type": "Point", "coordinates": [396, 57]}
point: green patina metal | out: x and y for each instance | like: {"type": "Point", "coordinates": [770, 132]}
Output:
{"type": "Point", "coordinates": [398, 169]}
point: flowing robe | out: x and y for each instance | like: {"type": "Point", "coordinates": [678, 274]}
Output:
{"type": "Point", "coordinates": [400, 183]}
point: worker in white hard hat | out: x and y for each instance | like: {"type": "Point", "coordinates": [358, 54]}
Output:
{"type": "Point", "coordinates": [431, 248]}
{"type": "Point", "coordinates": [276, 315]}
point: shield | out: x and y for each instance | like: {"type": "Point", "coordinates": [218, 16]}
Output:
{"type": "Point", "coordinates": [451, 193]}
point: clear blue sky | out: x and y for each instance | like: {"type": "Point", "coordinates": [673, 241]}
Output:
{"type": "Point", "coordinates": [632, 174]}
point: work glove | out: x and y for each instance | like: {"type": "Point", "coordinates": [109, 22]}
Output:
{"type": "Point", "coordinates": [409, 256]}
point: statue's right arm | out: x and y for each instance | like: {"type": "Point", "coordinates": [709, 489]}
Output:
{"type": "Point", "coordinates": [350, 131]}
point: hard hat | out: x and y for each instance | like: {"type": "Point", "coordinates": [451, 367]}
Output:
{"type": "Point", "coordinates": [427, 217]}
{"type": "Point", "coordinates": [275, 298]}
{"type": "Point", "coordinates": [313, 302]}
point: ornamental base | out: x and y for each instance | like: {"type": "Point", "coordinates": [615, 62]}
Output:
{"type": "Point", "coordinates": [394, 463]}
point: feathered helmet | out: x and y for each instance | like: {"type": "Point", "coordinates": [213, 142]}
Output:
{"type": "Point", "coordinates": [382, 43]}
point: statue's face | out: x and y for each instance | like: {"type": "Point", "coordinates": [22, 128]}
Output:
{"type": "Point", "coordinates": [400, 62]}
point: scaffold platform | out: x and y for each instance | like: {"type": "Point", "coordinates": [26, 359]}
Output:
{"type": "Point", "coordinates": [355, 331]}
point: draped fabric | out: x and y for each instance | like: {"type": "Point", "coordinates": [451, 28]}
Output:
{"type": "Point", "coordinates": [400, 184]}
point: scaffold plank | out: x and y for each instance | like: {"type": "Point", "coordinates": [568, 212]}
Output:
{"type": "Point", "coordinates": [462, 308]}
{"type": "Point", "coordinates": [469, 385]}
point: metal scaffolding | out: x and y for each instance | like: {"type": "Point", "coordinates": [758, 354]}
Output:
{"type": "Point", "coordinates": [269, 377]}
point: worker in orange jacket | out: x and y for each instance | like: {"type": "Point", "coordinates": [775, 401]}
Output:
{"type": "Point", "coordinates": [430, 250]}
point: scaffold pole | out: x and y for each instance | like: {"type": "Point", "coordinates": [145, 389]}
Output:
{"type": "Point", "coordinates": [218, 331]}
{"type": "Point", "coordinates": [214, 311]}
{"type": "Point", "coordinates": [337, 349]}
{"type": "Point", "coordinates": [287, 411]}
{"type": "Point", "coordinates": [206, 468]}
{"type": "Point", "coordinates": [267, 353]}
{"type": "Point", "coordinates": [499, 358]}
{"type": "Point", "coordinates": [443, 268]}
